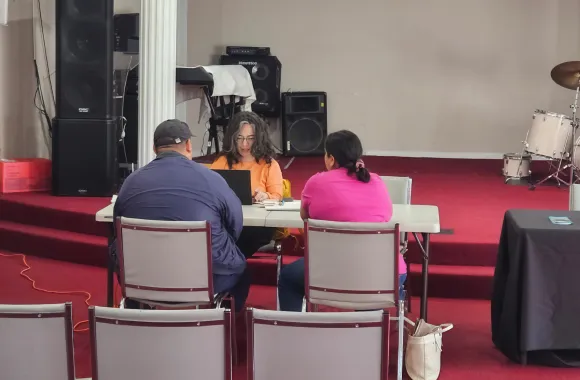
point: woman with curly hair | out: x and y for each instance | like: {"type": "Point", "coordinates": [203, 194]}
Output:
{"type": "Point", "coordinates": [247, 146]}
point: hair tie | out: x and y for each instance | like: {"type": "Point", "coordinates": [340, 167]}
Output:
{"type": "Point", "coordinates": [359, 164]}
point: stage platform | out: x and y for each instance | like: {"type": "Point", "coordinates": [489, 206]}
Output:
{"type": "Point", "coordinates": [471, 196]}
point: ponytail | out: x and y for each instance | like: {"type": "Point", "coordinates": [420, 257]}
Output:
{"type": "Point", "coordinates": [360, 172]}
{"type": "Point", "coordinates": [363, 175]}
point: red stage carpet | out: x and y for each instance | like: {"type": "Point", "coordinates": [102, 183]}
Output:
{"type": "Point", "coordinates": [471, 197]}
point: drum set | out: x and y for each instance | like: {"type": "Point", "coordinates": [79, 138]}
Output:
{"type": "Point", "coordinates": [552, 137]}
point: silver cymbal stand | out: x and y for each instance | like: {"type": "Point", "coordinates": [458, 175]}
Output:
{"type": "Point", "coordinates": [574, 107]}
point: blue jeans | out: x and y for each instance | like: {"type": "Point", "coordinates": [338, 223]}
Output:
{"type": "Point", "coordinates": [238, 285]}
{"type": "Point", "coordinates": [291, 286]}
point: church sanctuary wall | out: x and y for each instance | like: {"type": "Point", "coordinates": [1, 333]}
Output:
{"type": "Point", "coordinates": [440, 78]}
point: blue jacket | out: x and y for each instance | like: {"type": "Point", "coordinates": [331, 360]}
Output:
{"type": "Point", "coordinates": [171, 187]}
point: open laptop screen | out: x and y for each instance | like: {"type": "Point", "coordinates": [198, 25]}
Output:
{"type": "Point", "coordinates": [240, 182]}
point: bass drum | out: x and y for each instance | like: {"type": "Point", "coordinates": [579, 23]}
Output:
{"type": "Point", "coordinates": [550, 135]}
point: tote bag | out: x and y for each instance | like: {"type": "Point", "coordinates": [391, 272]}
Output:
{"type": "Point", "coordinates": [423, 354]}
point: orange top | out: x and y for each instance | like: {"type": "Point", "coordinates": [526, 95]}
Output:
{"type": "Point", "coordinates": [265, 177]}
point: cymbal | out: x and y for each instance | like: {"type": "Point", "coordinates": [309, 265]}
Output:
{"type": "Point", "coordinates": [567, 74]}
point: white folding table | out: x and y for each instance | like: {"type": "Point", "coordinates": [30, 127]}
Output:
{"type": "Point", "coordinates": [416, 219]}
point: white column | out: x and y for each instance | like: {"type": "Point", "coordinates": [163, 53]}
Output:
{"type": "Point", "coordinates": [157, 62]}
{"type": "Point", "coordinates": [182, 9]}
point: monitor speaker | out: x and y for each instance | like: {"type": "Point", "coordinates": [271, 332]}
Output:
{"type": "Point", "coordinates": [266, 74]}
{"type": "Point", "coordinates": [84, 59]}
{"type": "Point", "coordinates": [304, 125]}
{"type": "Point", "coordinates": [84, 157]}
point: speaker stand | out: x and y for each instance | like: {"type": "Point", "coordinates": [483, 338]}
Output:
{"type": "Point", "coordinates": [221, 113]}
{"type": "Point", "coordinates": [289, 163]}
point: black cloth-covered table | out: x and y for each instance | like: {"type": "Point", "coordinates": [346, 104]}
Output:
{"type": "Point", "coordinates": [535, 307]}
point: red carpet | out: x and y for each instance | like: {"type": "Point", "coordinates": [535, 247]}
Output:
{"type": "Point", "coordinates": [470, 194]}
{"type": "Point", "coordinates": [468, 352]}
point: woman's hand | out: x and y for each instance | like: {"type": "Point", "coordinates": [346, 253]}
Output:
{"type": "Point", "coordinates": [260, 196]}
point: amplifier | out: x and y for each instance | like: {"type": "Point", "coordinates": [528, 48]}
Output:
{"type": "Point", "coordinates": [247, 50]}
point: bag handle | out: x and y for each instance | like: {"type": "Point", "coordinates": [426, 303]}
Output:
{"type": "Point", "coordinates": [445, 327]}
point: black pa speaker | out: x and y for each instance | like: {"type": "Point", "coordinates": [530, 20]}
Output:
{"type": "Point", "coordinates": [84, 157]}
{"type": "Point", "coordinates": [304, 125]}
{"type": "Point", "coordinates": [84, 59]}
{"type": "Point", "coordinates": [266, 73]}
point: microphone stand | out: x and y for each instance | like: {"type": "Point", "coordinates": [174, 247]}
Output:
{"type": "Point", "coordinates": [574, 127]}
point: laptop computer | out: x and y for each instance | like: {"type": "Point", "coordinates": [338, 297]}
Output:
{"type": "Point", "coordinates": [240, 182]}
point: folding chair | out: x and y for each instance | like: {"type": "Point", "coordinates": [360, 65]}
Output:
{"type": "Point", "coordinates": [311, 346]}
{"type": "Point", "coordinates": [354, 266]}
{"type": "Point", "coordinates": [166, 263]}
{"type": "Point", "coordinates": [160, 344]}
{"type": "Point", "coordinates": [273, 248]}
{"type": "Point", "coordinates": [37, 342]}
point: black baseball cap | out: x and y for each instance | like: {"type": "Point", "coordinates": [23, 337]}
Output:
{"type": "Point", "coordinates": [171, 132]}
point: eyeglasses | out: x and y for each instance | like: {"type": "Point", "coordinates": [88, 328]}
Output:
{"type": "Point", "coordinates": [249, 139]}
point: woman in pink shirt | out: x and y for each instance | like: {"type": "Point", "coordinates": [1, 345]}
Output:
{"type": "Point", "coordinates": [346, 192]}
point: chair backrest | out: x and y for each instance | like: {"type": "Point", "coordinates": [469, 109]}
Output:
{"type": "Point", "coordinates": [351, 265]}
{"type": "Point", "coordinates": [160, 344]}
{"type": "Point", "coordinates": [36, 342]}
{"type": "Point", "coordinates": [311, 346]}
{"type": "Point", "coordinates": [165, 261]}
{"type": "Point", "coordinates": [399, 189]}
{"type": "Point", "coordinates": [400, 193]}
{"type": "Point", "coordinates": [575, 197]}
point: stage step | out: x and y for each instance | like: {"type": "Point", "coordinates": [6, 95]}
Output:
{"type": "Point", "coordinates": [53, 243]}
{"type": "Point", "coordinates": [13, 208]}
{"type": "Point", "coordinates": [263, 268]}
{"type": "Point", "coordinates": [454, 281]}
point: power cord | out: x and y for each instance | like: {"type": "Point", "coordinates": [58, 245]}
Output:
{"type": "Point", "coordinates": [71, 292]}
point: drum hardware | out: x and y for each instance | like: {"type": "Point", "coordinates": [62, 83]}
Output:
{"type": "Point", "coordinates": [556, 168]}
{"type": "Point", "coordinates": [567, 75]}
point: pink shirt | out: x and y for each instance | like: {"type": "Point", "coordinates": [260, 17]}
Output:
{"type": "Point", "coordinates": [336, 196]}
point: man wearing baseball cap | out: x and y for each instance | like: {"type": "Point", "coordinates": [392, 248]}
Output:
{"type": "Point", "coordinates": [173, 187]}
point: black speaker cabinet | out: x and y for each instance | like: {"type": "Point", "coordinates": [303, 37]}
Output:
{"type": "Point", "coordinates": [84, 59]}
{"type": "Point", "coordinates": [304, 125]}
{"type": "Point", "coordinates": [266, 73]}
{"type": "Point", "coordinates": [84, 157]}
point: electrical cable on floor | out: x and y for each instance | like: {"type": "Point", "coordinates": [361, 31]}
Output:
{"type": "Point", "coordinates": [71, 292]}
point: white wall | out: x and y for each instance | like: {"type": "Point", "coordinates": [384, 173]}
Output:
{"type": "Point", "coordinates": [21, 132]}
{"type": "Point", "coordinates": [18, 134]}
{"type": "Point", "coordinates": [455, 78]}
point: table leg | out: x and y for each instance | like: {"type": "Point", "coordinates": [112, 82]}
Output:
{"type": "Point", "coordinates": [425, 274]}
{"type": "Point", "coordinates": [424, 247]}
{"type": "Point", "coordinates": [111, 260]}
